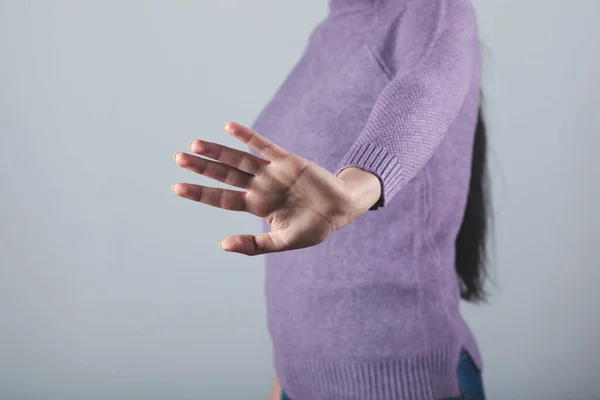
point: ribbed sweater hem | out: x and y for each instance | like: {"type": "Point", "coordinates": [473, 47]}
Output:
{"type": "Point", "coordinates": [426, 376]}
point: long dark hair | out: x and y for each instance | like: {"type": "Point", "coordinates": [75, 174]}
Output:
{"type": "Point", "coordinates": [471, 249]}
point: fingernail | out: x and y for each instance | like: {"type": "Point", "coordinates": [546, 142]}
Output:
{"type": "Point", "coordinates": [225, 125]}
{"type": "Point", "coordinates": [190, 145]}
{"type": "Point", "coordinates": [175, 155]}
{"type": "Point", "coordinates": [173, 187]}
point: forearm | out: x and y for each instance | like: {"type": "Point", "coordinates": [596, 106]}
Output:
{"type": "Point", "coordinates": [276, 390]}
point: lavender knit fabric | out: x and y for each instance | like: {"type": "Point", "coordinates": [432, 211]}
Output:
{"type": "Point", "coordinates": [392, 87]}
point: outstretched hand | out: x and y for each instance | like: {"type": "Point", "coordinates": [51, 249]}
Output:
{"type": "Point", "coordinates": [302, 202]}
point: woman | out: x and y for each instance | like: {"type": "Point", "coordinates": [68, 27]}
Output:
{"type": "Point", "coordinates": [367, 167]}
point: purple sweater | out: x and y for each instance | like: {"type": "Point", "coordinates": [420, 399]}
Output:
{"type": "Point", "coordinates": [392, 87]}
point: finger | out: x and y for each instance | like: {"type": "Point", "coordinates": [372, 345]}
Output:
{"type": "Point", "coordinates": [223, 198]}
{"type": "Point", "coordinates": [252, 245]}
{"type": "Point", "coordinates": [241, 160]}
{"type": "Point", "coordinates": [215, 170]}
{"type": "Point", "coordinates": [257, 141]}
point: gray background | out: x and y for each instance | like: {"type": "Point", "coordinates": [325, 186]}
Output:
{"type": "Point", "coordinates": [112, 287]}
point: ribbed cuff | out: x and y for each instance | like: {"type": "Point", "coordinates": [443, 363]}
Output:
{"type": "Point", "coordinates": [378, 161]}
{"type": "Point", "coordinates": [430, 376]}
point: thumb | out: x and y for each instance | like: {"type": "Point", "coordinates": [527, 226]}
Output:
{"type": "Point", "coordinates": [251, 245]}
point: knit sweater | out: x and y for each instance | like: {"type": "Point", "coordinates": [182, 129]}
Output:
{"type": "Point", "coordinates": [392, 87]}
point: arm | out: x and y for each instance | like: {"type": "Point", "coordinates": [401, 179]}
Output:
{"type": "Point", "coordinates": [415, 110]}
{"type": "Point", "coordinates": [276, 391]}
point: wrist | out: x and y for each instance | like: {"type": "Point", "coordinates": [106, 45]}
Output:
{"type": "Point", "coordinates": [364, 188]}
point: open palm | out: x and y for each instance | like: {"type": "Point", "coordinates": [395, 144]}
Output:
{"type": "Point", "coordinates": [302, 202]}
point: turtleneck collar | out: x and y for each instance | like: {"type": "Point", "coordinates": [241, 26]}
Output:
{"type": "Point", "coordinates": [343, 6]}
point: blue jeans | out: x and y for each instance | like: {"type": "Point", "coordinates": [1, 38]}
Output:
{"type": "Point", "coordinates": [469, 380]}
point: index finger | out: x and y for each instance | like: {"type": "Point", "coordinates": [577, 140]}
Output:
{"type": "Point", "coordinates": [258, 142]}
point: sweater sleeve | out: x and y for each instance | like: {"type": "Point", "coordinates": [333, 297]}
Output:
{"type": "Point", "coordinates": [414, 111]}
